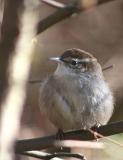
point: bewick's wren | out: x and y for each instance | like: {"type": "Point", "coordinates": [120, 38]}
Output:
{"type": "Point", "coordinates": [76, 95]}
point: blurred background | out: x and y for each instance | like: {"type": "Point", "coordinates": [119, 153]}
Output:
{"type": "Point", "coordinates": [98, 30]}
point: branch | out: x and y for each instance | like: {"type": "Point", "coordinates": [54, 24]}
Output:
{"type": "Point", "coordinates": [74, 6]}
{"type": "Point", "coordinates": [38, 154]}
{"type": "Point", "coordinates": [48, 156]}
{"type": "Point", "coordinates": [9, 36]}
{"type": "Point", "coordinates": [103, 1]}
{"type": "Point", "coordinates": [54, 3]}
{"type": "Point", "coordinates": [19, 55]}
{"type": "Point", "coordinates": [108, 67]}
{"type": "Point", "coordinates": [35, 81]}
{"type": "Point", "coordinates": [10, 31]}
{"type": "Point", "coordinates": [49, 141]}
{"type": "Point", "coordinates": [57, 16]}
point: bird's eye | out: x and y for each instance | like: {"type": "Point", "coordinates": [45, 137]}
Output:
{"type": "Point", "coordinates": [74, 63]}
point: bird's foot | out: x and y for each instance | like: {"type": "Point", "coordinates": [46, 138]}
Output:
{"type": "Point", "coordinates": [60, 136]}
{"type": "Point", "coordinates": [94, 131]}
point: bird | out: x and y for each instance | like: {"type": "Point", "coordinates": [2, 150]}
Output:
{"type": "Point", "coordinates": [76, 95]}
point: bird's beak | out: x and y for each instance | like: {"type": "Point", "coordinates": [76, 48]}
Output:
{"type": "Point", "coordinates": [57, 59]}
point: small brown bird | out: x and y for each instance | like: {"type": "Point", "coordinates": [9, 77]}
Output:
{"type": "Point", "coordinates": [76, 95]}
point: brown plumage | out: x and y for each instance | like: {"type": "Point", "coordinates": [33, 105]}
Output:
{"type": "Point", "coordinates": [76, 94]}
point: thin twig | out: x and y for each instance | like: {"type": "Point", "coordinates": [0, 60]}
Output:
{"type": "Point", "coordinates": [35, 81]}
{"type": "Point", "coordinates": [62, 13]}
{"type": "Point", "coordinates": [108, 67]}
{"type": "Point", "coordinates": [103, 1]}
{"type": "Point", "coordinates": [47, 156]}
{"type": "Point", "coordinates": [57, 16]}
{"type": "Point", "coordinates": [38, 154]}
{"type": "Point", "coordinates": [49, 141]}
{"type": "Point", "coordinates": [107, 138]}
{"type": "Point", "coordinates": [54, 3]}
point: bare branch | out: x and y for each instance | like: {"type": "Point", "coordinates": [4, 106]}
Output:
{"type": "Point", "coordinates": [107, 138]}
{"type": "Point", "coordinates": [62, 13]}
{"type": "Point", "coordinates": [18, 67]}
{"type": "Point", "coordinates": [48, 156]}
{"type": "Point", "coordinates": [108, 67]}
{"type": "Point", "coordinates": [38, 154]}
{"type": "Point", "coordinates": [54, 3]}
{"type": "Point", "coordinates": [49, 141]}
{"type": "Point", "coordinates": [57, 16]}
{"type": "Point", "coordinates": [35, 81]}
{"type": "Point", "coordinates": [9, 35]}
{"type": "Point", "coordinates": [103, 1]}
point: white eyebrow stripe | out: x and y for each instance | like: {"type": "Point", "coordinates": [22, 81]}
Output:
{"type": "Point", "coordinates": [85, 60]}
